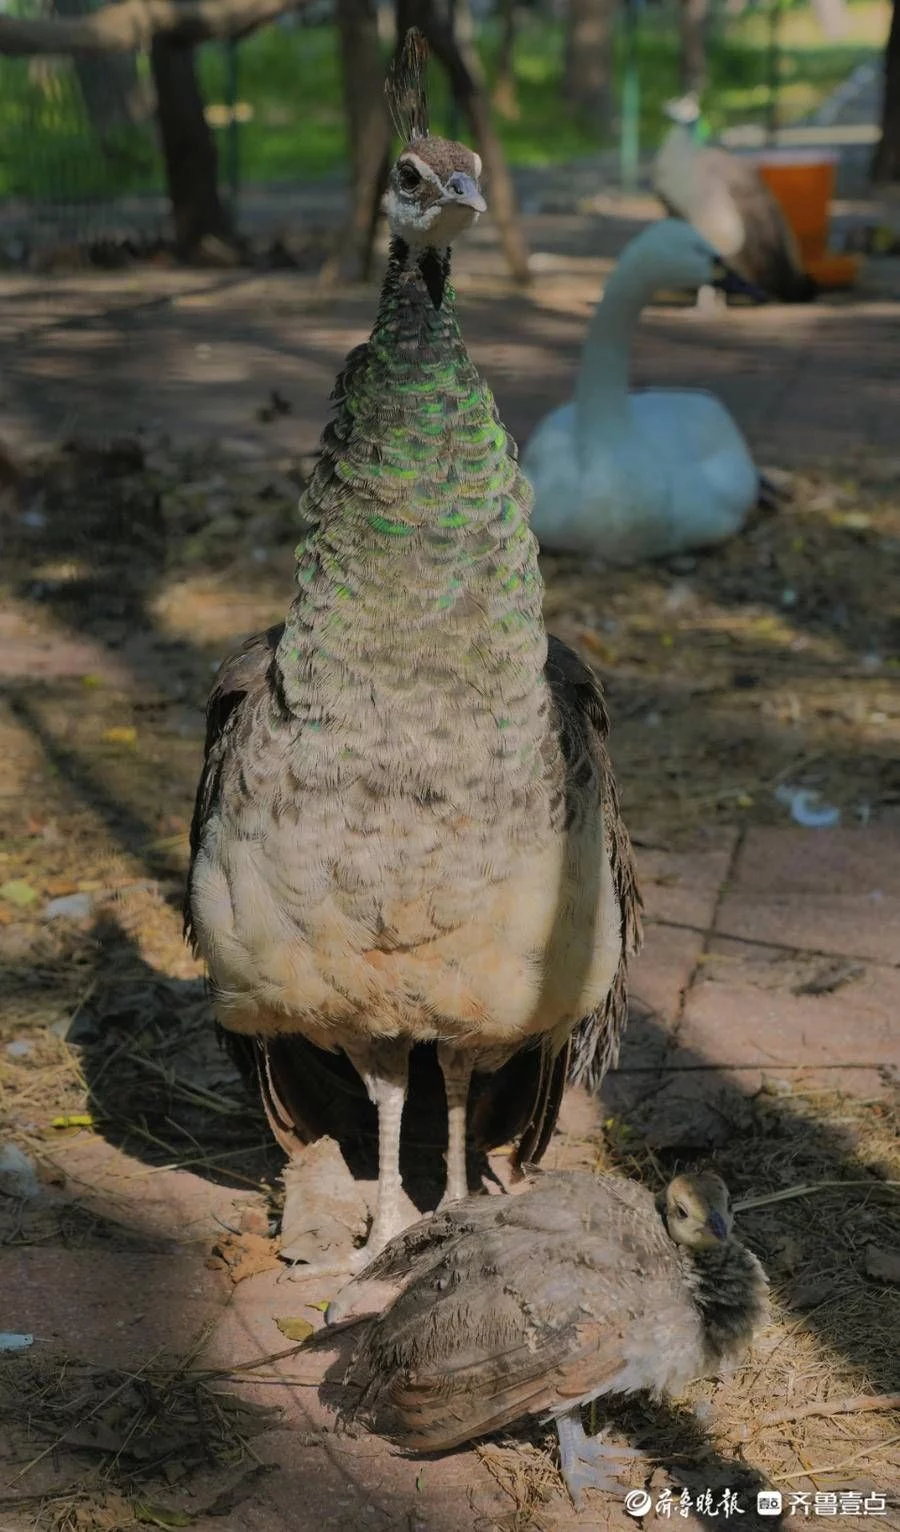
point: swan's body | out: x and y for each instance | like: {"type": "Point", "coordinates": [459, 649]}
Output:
{"type": "Point", "coordinates": [629, 475]}
{"type": "Point", "coordinates": [726, 200]}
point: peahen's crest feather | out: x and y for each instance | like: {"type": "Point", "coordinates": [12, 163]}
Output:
{"type": "Point", "coordinates": [406, 87]}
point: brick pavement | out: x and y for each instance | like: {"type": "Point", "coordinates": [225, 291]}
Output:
{"type": "Point", "coordinates": [770, 959]}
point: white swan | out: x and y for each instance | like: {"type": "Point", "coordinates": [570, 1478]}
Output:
{"type": "Point", "coordinates": [626, 476]}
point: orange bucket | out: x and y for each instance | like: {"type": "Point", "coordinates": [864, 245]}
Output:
{"type": "Point", "coordinates": [803, 185]}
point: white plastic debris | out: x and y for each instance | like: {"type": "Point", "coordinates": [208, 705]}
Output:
{"type": "Point", "coordinates": [11, 1340]}
{"type": "Point", "coordinates": [806, 807]}
{"type": "Point", "coordinates": [17, 1174]}
{"type": "Point", "coordinates": [69, 907]}
{"type": "Point", "coordinates": [19, 1048]}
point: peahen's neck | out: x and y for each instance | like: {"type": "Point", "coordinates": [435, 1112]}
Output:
{"type": "Point", "coordinates": [420, 562]}
{"type": "Point", "coordinates": [601, 388]}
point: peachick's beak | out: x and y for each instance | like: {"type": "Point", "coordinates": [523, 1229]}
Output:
{"type": "Point", "coordinates": [462, 191]}
{"type": "Point", "coordinates": [728, 281]}
{"type": "Point", "coordinates": [715, 1223]}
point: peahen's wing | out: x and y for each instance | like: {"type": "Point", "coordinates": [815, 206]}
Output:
{"type": "Point", "coordinates": [240, 682]}
{"type": "Point", "coordinates": [769, 256]}
{"type": "Point", "coordinates": [583, 729]}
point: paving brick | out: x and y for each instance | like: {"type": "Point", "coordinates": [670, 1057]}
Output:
{"type": "Point", "coordinates": [835, 891]}
{"type": "Point", "coordinates": [152, 1201]}
{"type": "Point", "coordinates": [660, 974]}
{"type": "Point", "coordinates": [744, 1011]}
{"type": "Point", "coordinates": [683, 886]}
{"type": "Point", "coordinates": [658, 979]}
{"type": "Point", "coordinates": [113, 1308]}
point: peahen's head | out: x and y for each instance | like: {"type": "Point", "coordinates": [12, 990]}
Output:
{"type": "Point", "coordinates": [433, 193]}
{"type": "Point", "coordinates": [684, 110]}
{"type": "Point", "coordinates": [698, 1211]}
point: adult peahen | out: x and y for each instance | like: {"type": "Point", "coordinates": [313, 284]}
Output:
{"type": "Point", "coordinates": [406, 831]}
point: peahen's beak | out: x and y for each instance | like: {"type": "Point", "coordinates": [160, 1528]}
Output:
{"type": "Point", "coordinates": [715, 1223]}
{"type": "Point", "coordinates": [728, 281]}
{"type": "Point", "coordinates": [462, 191]}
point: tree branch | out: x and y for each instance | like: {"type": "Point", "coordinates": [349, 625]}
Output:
{"type": "Point", "coordinates": [852, 1406]}
{"type": "Point", "coordinates": [135, 23]}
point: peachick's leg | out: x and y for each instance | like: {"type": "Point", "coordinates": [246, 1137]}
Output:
{"type": "Point", "coordinates": [456, 1067]}
{"type": "Point", "coordinates": [582, 1458]}
{"type": "Point", "coordinates": [384, 1068]}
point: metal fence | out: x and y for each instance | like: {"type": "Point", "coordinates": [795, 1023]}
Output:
{"type": "Point", "coordinates": [75, 135]}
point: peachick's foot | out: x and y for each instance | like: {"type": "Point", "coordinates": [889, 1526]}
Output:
{"type": "Point", "coordinates": [587, 1462]}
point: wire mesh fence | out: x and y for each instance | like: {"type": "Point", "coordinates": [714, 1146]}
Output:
{"type": "Point", "coordinates": [80, 161]}
{"type": "Point", "coordinates": [76, 135]}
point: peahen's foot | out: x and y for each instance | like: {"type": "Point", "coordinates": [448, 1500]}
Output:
{"type": "Point", "coordinates": [324, 1213]}
{"type": "Point", "coordinates": [587, 1462]}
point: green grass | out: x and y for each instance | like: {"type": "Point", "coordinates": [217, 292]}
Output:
{"type": "Point", "coordinates": [289, 84]}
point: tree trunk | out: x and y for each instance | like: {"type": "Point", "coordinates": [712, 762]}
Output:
{"type": "Point", "coordinates": [112, 93]}
{"type": "Point", "coordinates": [693, 44]}
{"type": "Point", "coordinates": [505, 97]}
{"type": "Point", "coordinates": [189, 151]}
{"type": "Point", "coordinates": [886, 165]}
{"type": "Point", "coordinates": [463, 67]}
{"type": "Point", "coordinates": [369, 133]}
{"type": "Point", "coordinates": [589, 58]}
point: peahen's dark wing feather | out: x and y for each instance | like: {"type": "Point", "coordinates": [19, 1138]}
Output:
{"type": "Point", "coordinates": [583, 730]}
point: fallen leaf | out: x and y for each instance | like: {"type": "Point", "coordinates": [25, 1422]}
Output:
{"type": "Point", "coordinates": [321, 1306]}
{"type": "Point", "coordinates": [122, 734]}
{"type": "Point", "coordinates": [73, 1120]}
{"type": "Point", "coordinates": [295, 1329]}
{"type": "Point", "coordinates": [883, 1264]}
{"type": "Point", "coordinates": [17, 891]}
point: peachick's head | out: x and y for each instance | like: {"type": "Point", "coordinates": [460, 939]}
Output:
{"type": "Point", "coordinates": [433, 194]}
{"type": "Point", "coordinates": [698, 1211]}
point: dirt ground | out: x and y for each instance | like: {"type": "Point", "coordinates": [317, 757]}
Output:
{"type": "Point", "coordinates": [159, 1388]}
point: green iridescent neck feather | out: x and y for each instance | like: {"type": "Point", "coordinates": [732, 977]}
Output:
{"type": "Point", "coordinates": [417, 502]}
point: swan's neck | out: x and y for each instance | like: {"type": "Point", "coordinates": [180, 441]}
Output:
{"type": "Point", "coordinates": [601, 390]}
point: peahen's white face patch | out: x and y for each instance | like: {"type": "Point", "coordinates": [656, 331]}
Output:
{"type": "Point", "coordinates": [433, 195]}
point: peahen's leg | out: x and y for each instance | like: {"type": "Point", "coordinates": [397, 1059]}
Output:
{"type": "Point", "coordinates": [456, 1068]}
{"type": "Point", "coordinates": [384, 1068]}
{"type": "Point", "coordinates": [582, 1458]}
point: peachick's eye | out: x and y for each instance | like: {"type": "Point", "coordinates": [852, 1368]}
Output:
{"type": "Point", "coordinates": [682, 1212]}
{"type": "Point", "coordinates": [408, 177]}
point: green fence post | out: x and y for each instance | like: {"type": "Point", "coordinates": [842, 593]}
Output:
{"type": "Point", "coordinates": [630, 140]}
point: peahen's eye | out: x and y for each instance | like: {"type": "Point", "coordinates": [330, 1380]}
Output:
{"type": "Point", "coordinates": [408, 177]}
